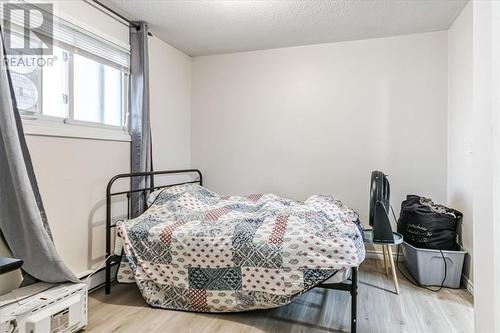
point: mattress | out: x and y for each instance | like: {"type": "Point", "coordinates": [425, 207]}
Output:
{"type": "Point", "coordinates": [196, 250]}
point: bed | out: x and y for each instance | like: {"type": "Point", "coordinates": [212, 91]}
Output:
{"type": "Point", "coordinates": [195, 250]}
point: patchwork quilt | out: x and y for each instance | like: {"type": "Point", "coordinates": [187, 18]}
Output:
{"type": "Point", "coordinates": [196, 250]}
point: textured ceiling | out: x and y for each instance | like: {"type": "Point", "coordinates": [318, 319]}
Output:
{"type": "Point", "coordinates": [211, 27]}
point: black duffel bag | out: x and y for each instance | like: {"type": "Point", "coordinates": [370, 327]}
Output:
{"type": "Point", "coordinates": [427, 225]}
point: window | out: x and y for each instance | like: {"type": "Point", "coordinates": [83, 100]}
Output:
{"type": "Point", "coordinates": [98, 93]}
{"type": "Point", "coordinates": [83, 83]}
{"type": "Point", "coordinates": [74, 87]}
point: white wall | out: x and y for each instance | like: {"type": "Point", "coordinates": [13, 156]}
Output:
{"type": "Point", "coordinates": [170, 89]}
{"type": "Point", "coordinates": [486, 163]}
{"type": "Point", "coordinates": [320, 118]}
{"type": "Point", "coordinates": [90, 16]}
{"type": "Point", "coordinates": [460, 131]}
{"type": "Point", "coordinates": [72, 175]}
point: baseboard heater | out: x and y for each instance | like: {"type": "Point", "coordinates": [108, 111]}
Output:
{"type": "Point", "coordinates": [44, 308]}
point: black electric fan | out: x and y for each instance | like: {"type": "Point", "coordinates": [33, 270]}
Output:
{"type": "Point", "coordinates": [379, 208]}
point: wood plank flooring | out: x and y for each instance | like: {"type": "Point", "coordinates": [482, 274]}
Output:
{"type": "Point", "coordinates": [379, 310]}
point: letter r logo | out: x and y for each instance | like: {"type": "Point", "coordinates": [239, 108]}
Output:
{"type": "Point", "coordinates": [33, 24]}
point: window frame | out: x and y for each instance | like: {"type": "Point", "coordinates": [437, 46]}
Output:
{"type": "Point", "coordinates": [37, 123]}
{"type": "Point", "coordinates": [70, 119]}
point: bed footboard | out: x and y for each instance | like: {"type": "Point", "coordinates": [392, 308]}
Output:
{"type": "Point", "coordinates": [143, 192]}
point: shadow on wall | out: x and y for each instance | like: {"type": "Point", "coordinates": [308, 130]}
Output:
{"type": "Point", "coordinates": [91, 226]}
{"type": "Point", "coordinates": [464, 230]}
{"type": "Point", "coordinates": [97, 229]}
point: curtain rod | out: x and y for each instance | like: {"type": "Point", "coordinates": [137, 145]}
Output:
{"type": "Point", "coordinates": [120, 16]}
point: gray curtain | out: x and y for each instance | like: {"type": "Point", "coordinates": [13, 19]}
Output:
{"type": "Point", "coordinates": [140, 126]}
{"type": "Point", "coordinates": [23, 221]}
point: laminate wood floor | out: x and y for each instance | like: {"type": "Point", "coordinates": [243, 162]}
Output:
{"type": "Point", "coordinates": [319, 310]}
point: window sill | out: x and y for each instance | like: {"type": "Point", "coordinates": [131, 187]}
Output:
{"type": "Point", "coordinates": [41, 127]}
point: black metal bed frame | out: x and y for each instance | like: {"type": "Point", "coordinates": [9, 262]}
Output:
{"type": "Point", "coordinates": [351, 287]}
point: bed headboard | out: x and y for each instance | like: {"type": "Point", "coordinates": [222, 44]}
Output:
{"type": "Point", "coordinates": [143, 192]}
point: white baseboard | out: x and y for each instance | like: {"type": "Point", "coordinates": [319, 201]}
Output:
{"type": "Point", "coordinates": [468, 284]}
{"type": "Point", "coordinates": [97, 279]}
{"type": "Point", "coordinates": [379, 255]}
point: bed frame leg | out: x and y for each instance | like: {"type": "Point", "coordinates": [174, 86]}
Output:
{"type": "Point", "coordinates": [107, 257]}
{"type": "Point", "coordinates": [107, 288]}
{"type": "Point", "coordinates": [354, 294]}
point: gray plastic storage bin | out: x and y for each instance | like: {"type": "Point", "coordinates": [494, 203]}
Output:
{"type": "Point", "coordinates": [427, 266]}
